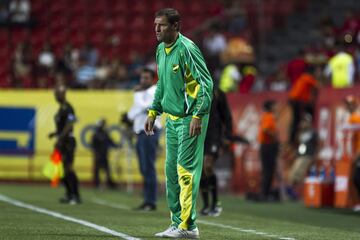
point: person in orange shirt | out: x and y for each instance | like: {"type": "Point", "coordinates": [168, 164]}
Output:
{"type": "Point", "coordinates": [302, 97]}
{"type": "Point", "coordinates": [269, 148]}
{"type": "Point", "coordinates": [352, 104]}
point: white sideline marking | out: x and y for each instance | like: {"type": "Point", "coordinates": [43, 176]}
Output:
{"type": "Point", "coordinates": [243, 230]}
{"type": "Point", "coordinates": [113, 205]}
{"type": "Point", "coordinates": [66, 218]}
{"type": "Point", "coordinates": [124, 207]}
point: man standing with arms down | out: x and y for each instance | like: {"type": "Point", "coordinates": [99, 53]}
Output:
{"type": "Point", "coordinates": [66, 144]}
{"type": "Point", "coordinates": [184, 92]}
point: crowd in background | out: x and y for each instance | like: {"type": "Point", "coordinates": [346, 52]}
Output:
{"type": "Point", "coordinates": [85, 67]}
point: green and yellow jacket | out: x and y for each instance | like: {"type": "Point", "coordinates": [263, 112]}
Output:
{"type": "Point", "coordinates": [185, 86]}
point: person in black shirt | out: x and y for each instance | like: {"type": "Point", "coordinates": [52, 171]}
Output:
{"type": "Point", "coordinates": [219, 130]}
{"type": "Point", "coordinates": [100, 144]}
{"type": "Point", "coordinates": [66, 144]}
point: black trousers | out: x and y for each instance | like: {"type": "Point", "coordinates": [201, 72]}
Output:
{"type": "Point", "coordinates": [70, 180]}
{"type": "Point", "coordinates": [101, 162]}
{"type": "Point", "coordinates": [268, 156]}
{"type": "Point", "coordinates": [298, 111]}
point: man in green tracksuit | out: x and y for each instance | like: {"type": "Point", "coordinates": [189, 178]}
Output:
{"type": "Point", "coordinates": [184, 92]}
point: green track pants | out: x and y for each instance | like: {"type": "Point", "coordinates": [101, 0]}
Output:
{"type": "Point", "coordinates": [183, 167]}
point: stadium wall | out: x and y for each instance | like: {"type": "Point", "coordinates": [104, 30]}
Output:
{"type": "Point", "coordinates": [25, 147]}
{"type": "Point", "coordinates": [330, 116]}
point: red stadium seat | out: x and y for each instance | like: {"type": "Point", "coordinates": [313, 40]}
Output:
{"type": "Point", "coordinates": [78, 38]}
{"type": "Point", "coordinates": [19, 35]}
{"type": "Point", "coordinates": [99, 23]}
{"type": "Point", "coordinates": [118, 7]}
{"type": "Point", "coordinates": [98, 7]}
{"type": "Point", "coordinates": [4, 37]}
{"type": "Point", "coordinates": [58, 7]}
{"type": "Point", "coordinates": [78, 7]}
{"type": "Point", "coordinates": [79, 23]}
{"type": "Point", "coordinates": [139, 8]}
{"type": "Point", "coordinates": [98, 39]}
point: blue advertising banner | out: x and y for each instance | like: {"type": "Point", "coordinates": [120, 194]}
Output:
{"type": "Point", "coordinates": [17, 130]}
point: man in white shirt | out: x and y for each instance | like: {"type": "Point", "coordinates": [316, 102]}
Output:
{"type": "Point", "coordinates": [146, 146]}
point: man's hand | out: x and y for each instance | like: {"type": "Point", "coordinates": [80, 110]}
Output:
{"type": "Point", "coordinates": [149, 126]}
{"type": "Point", "coordinates": [51, 135]}
{"type": "Point", "coordinates": [195, 127]}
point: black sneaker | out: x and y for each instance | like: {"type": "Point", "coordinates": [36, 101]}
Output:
{"type": "Point", "coordinates": [64, 200]}
{"type": "Point", "coordinates": [216, 211]}
{"type": "Point", "coordinates": [146, 207]}
{"type": "Point", "coordinates": [205, 211]}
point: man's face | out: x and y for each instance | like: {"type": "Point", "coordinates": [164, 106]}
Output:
{"type": "Point", "coordinates": [163, 29]}
{"type": "Point", "coordinates": [146, 79]}
{"type": "Point", "coordinates": [60, 95]}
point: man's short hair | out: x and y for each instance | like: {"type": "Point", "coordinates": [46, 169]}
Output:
{"type": "Point", "coordinates": [268, 105]}
{"type": "Point", "coordinates": [148, 70]}
{"type": "Point", "coordinates": [172, 15]}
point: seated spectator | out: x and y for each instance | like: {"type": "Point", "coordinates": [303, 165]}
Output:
{"type": "Point", "coordinates": [214, 43]}
{"type": "Point", "coordinates": [90, 54]}
{"type": "Point", "coordinates": [237, 18]}
{"type": "Point", "coordinates": [4, 13]}
{"type": "Point", "coordinates": [248, 80]}
{"type": "Point", "coordinates": [103, 71]}
{"type": "Point", "coordinates": [279, 83]}
{"type": "Point", "coordinates": [20, 11]}
{"type": "Point", "coordinates": [85, 75]}
{"type": "Point", "coordinates": [46, 57]}
{"type": "Point", "coordinates": [118, 75]}
{"type": "Point", "coordinates": [22, 66]}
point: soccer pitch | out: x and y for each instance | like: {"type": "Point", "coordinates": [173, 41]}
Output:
{"type": "Point", "coordinates": [33, 212]}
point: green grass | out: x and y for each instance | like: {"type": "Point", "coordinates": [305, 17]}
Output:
{"type": "Point", "coordinates": [291, 220]}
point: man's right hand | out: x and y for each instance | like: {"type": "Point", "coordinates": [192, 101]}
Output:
{"type": "Point", "coordinates": [51, 135]}
{"type": "Point", "coordinates": [149, 126]}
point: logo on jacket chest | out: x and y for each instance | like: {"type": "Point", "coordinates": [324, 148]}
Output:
{"type": "Point", "coordinates": [175, 68]}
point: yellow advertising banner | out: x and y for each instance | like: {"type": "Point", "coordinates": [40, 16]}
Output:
{"type": "Point", "coordinates": [25, 150]}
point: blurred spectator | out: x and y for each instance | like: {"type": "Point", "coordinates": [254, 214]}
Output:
{"type": "Point", "coordinates": [237, 18]}
{"type": "Point", "coordinates": [351, 23]}
{"type": "Point", "coordinates": [214, 43]}
{"type": "Point", "coordinates": [340, 69]}
{"type": "Point", "coordinates": [85, 75]}
{"type": "Point", "coordinates": [306, 154]}
{"type": "Point", "coordinates": [248, 80]}
{"type": "Point", "coordinates": [100, 144]}
{"type": "Point", "coordinates": [134, 69]}
{"type": "Point", "coordinates": [89, 54]}
{"type": "Point", "coordinates": [46, 57]}
{"type": "Point", "coordinates": [279, 82]}
{"type": "Point", "coordinates": [23, 66]}
{"type": "Point", "coordinates": [20, 11]}
{"type": "Point", "coordinates": [302, 97]}
{"type": "Point", "coordinates": [296, 67]}
{"type": "Point", "coordinates": [230, 78]}
{"type": "Point", "coordinates": [4, 12]}
{"type": "Point", "coordinates": [316, 56]}
{"type": "Point", "coordinates": [269, 148]}
{"type": "Point", "coordinates": [102, 75]}
{"type": "Point", "coordinates": [118, 76]}
{"type": "Point", "coordinates": [69, 60]}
